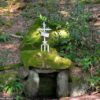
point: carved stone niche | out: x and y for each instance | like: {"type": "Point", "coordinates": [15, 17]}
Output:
{"type": "Point", "coordinates": [47, 85]}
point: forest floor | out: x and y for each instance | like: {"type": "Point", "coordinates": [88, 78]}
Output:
{"type": "Point", "coordinates": [93, 96]}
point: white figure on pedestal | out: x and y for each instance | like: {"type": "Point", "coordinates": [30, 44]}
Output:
{"type": "Point", "coordinates": [44, 45]}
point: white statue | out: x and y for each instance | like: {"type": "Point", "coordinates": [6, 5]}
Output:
{"type": "Point", "coordinates": [44, 45]}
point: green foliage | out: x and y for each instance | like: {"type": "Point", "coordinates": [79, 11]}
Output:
{"type": "Point", "coordinates": [85, 62]}
{"type": "Point", "coordinates": [4, 37]}
{"type": "Point", "coordinates": [90, 1]}
{"type": "Point", "coordinates": [94, 81]}
{"type": "Point", "coordinates": [5, 77]}
{"type": "Point", "coordinates": [10, 82]}
{"type": "Point", "coordinates": [79, 34]}
{"type": "Point", "coordinates": [77, 23]}
{"type": "Point", "coordinates": [79, 46]}
{"type": "Point", "coordinates": [43, 18]}
{"type": "Point", "coordinates": [15, 88]}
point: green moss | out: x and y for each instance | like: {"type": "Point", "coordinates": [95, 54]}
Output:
{"type": "Point", "coordinates": [32, 56]}
{"type": "Point", "coordinates": [57, 36]}
{"type": "Point", "coordinates": [33, 38]}
{"type": "Point", "coordinates": [38, 59]}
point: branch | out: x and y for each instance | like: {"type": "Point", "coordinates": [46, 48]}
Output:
{"type": "Point", "coordinates": [16, 36]}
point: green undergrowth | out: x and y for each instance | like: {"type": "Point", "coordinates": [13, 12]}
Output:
{"type": "Point", "coordinates": [44, 60]}
{"type": "Point", "coordinates": [7, 75]}
{"type": "Point", "coordinates": [91, 1]}
{"type": "Point", "coordinates": [4, 37]}
{"type": "Point", "coordinates": [8, 67]}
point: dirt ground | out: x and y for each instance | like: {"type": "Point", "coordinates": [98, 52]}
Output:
{"type": "Point", "coordinates": [84, 97]}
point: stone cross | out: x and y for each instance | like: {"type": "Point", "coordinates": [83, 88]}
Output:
{"type": "Point", "coordinates": [44, 45]}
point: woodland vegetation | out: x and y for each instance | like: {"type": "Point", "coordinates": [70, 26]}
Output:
{"type": "Point", "coordinates": [78, 21]}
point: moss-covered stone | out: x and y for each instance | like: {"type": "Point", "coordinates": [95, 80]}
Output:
{"type": "Point", "coordinates": [30, 49]}
{"type": "Point", "coordinates": [44, 60]}
{"type": "Point", "coordinates": [33, 38]}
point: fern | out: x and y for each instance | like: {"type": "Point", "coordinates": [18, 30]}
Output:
{"type": "Point", "coordinates": [4, 37]}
